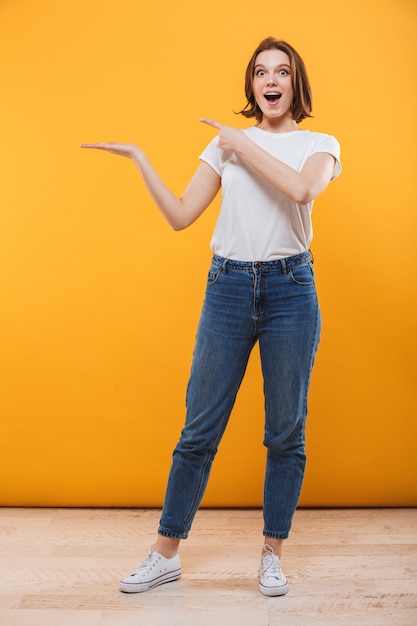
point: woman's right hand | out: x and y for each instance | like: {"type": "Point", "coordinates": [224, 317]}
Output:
{"type": "Point", "coordinates": [128, 150]}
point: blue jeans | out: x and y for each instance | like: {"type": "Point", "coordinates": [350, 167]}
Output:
{"type": "Point", "coordinates": [275, 303]}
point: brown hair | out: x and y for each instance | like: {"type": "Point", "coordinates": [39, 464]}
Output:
{"type": "Point", "coordinates": [302, 102]}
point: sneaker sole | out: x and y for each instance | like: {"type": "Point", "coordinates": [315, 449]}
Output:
{"type": "Point", "coordinates": [273, 591]}
{"type": "Point", "coordinates": [140, 587]}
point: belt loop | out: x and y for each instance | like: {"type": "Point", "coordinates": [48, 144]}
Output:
{"type": "Point", "coordinates": [223, 268]}
{"type": "Point", "coordinates": [283, 266]}
{"type": "Point", "coordinates": [311, 256]}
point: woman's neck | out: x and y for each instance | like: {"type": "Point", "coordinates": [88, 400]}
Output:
{"type": "Point", "coordinates": [278, 125]}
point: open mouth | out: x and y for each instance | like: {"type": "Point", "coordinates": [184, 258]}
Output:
{"type": "Point", "coordinates": [272, 97]}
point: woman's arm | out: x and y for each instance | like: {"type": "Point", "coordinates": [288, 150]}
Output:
{"type": "Point", "coordinates": [301, 187]}
{"type": "Point", "coordinates": [179, 212]}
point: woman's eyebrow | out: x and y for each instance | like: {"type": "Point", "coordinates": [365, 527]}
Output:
{"type": "Point", "coordinates": [277, 67]}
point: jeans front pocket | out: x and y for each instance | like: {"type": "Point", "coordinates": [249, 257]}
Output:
{"type": "Point", "coordinates": [213, 275]}
{"type": "Point", "coordinates": [302, 275]}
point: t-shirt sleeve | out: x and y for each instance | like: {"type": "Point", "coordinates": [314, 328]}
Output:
{"type": "Point", "coordinates": [211, 155]}
{"type": "Point", "coordinates": [330, 145]}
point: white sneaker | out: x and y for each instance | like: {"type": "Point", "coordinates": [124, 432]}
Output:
{"type": "Point", "coordinates": [155, 570]}
{"type": "Point", "coordinates": [272, 581]}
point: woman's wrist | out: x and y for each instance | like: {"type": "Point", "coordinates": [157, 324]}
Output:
{"type": "Point", "coordinates": [138, 156]}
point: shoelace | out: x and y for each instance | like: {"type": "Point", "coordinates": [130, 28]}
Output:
{"type": "Point", "coordinates": [270, 564]}
{"type": "Point", "coordinates": [149, 562]}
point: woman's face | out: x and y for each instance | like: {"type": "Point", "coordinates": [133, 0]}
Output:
{"type": "Point", "coordinates": [272, 85]}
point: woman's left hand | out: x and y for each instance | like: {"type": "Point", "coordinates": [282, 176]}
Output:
{"type": "Point", "coordinates": [230, 139]}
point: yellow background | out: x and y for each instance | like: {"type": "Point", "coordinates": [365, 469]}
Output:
{"type": "Point", "coordinates": [99, 299]}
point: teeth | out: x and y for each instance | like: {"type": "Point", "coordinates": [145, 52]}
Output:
{"type": "Point", "coordinates": [272, 96]}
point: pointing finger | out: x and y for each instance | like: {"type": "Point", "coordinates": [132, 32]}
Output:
{"type": "Point", "coordinates": [211, 123]}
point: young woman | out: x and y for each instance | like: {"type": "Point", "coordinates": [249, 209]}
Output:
{"type": "Point", "coordinates": [260, 288]}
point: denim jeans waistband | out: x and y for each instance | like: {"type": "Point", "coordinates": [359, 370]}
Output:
{"type": "Point", "coordinates": [280, 265]}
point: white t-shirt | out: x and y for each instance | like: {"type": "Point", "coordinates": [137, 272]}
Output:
{"type": "Point", "coordinates": [256, 222]}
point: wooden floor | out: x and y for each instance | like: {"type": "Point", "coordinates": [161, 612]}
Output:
{"type": "Point", "coordinates": [61, 567]}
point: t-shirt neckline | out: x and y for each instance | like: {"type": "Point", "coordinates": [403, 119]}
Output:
{"type": "Point", "coordinates": [269, 132]}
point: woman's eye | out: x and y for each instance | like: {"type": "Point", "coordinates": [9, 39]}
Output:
{"type": "Point", "coordinates": [284, 72]}
{"type": "Point", "coordinates": [260, 73]}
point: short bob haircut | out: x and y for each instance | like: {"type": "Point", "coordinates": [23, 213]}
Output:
{"type": "Point", "coordinates": [302, 102]}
